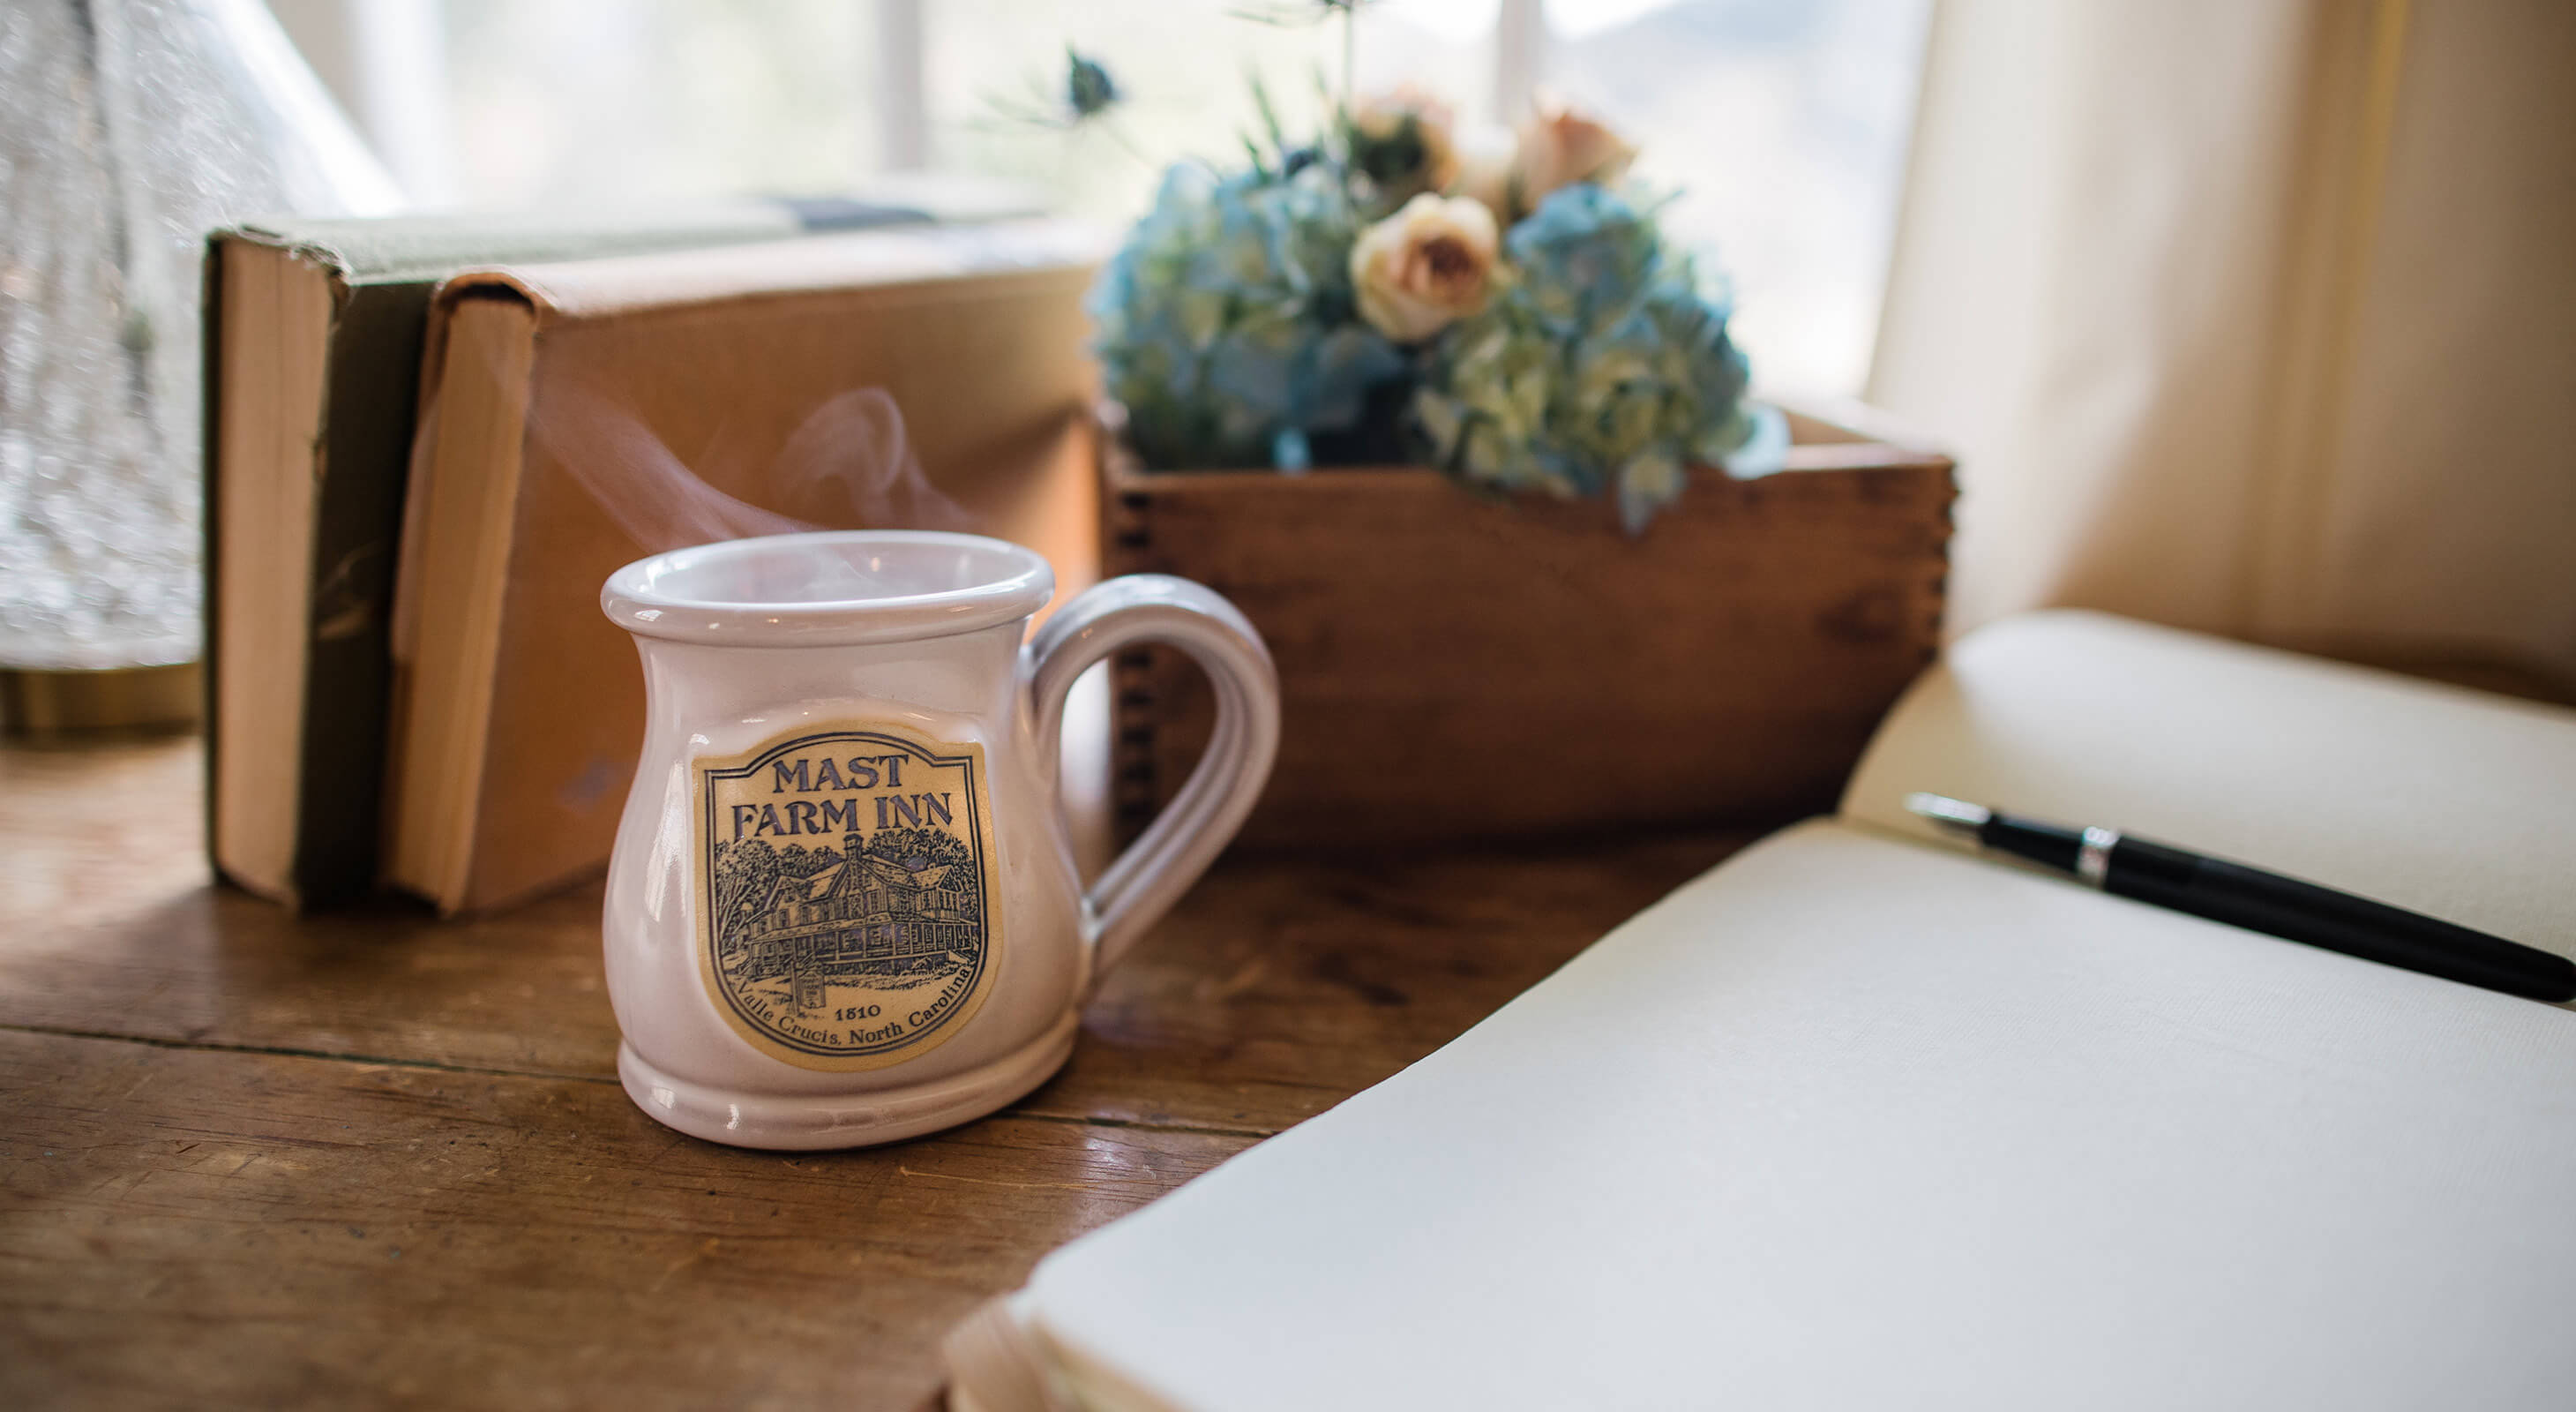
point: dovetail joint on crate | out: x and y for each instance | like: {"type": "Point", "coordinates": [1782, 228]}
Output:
{"type": "Point", "coordinates": [1135, 694]}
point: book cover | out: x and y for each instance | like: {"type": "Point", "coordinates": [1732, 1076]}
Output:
{"type": "Point", "coordinates": [584, 414]}
{"type": "Point", "coordinates": [314, 331]}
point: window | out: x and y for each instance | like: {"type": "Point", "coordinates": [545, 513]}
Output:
{"type": "Point", "coordinates": [1784, 122]}
{"type": "Point", "coordinates": [1785, 126]}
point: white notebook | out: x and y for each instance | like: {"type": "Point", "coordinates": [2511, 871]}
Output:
{"type": "Point", "coordinates": [1857, 1120]}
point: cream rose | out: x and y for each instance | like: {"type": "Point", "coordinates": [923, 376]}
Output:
{"type": "Point", "coordinates": [1428, 264]}
{"type": "Point", "coordinates": [1561, 145]}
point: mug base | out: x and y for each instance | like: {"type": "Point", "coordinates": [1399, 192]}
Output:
{"type": "Point", "coordinates": [815, 1122]}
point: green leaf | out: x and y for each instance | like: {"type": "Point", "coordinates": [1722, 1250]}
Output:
{"type": "Point", "coordinates": [1441, 419]}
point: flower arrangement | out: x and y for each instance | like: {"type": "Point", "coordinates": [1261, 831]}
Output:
{"type": "Point", "coordinates": [1505, 307]}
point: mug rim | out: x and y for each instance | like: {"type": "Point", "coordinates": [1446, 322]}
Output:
{"type": "Point", "coordinates": [633, 599]}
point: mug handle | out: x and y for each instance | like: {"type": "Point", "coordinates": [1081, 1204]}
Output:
{"type": "Point", "coordinates": [1142, 883]}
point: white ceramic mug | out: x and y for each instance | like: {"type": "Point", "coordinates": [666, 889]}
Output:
{"type": "Point", "coordinates": [843, 909]}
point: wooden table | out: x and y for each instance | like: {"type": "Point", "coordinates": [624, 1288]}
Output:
{"type": "Point", "coordinates": [367, 1158]}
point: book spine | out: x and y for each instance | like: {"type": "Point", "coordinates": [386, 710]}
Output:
{"type": "Point", "coordinates": [210, 313]}
{"type": "Point", "coordinates": [369, 413]}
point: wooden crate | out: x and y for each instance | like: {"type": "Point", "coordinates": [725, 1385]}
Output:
{"type": "Point", "coordinates": [1455, 667]}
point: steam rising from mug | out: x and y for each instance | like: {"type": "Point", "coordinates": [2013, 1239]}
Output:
{"type": "Point", "coordinates": [847, 465]}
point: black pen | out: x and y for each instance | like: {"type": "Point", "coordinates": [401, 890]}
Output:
{"type": "Point", "coordinates": [2259, 901]}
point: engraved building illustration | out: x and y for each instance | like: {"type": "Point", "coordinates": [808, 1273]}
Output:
{"type": "Point", "coordinates": [862, 916]}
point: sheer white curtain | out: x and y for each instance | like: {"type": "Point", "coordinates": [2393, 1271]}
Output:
{"type": "Point", "coordinates": [2257, 316]}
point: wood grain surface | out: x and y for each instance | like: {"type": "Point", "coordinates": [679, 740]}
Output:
{"type": "Point", "coordinates": [366, 1158]}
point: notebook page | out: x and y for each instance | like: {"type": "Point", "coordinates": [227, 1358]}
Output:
{"type": "Point", "coordinates": [2450, 802]}
{"type": "Point", "coordinates": [1850, 1122]}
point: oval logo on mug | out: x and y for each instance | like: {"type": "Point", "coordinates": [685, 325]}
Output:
{"type": "Point", "coordinates": [850, 917]}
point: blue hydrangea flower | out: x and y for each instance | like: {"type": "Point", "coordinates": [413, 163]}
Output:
{"type": "Point", "coordinates": [1601, 369]}
{"type": "Point", "coordinates": [1226, 322]}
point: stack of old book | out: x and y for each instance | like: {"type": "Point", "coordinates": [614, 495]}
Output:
{"type": "Point", "coordinates": [431, 438]}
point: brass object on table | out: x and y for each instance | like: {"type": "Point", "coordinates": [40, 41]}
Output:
{"type": "Point", "coordinates": [48, 703]}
